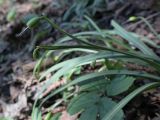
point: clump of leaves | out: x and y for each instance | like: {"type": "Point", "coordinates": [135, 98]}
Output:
{"type": "Point", "coordinates": [97, 88]}
{"type": "Point", "coordinates": [79, 8]}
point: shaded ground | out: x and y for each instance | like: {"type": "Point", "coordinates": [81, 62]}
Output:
{"type": "Point", "coordinates": [18, 85]}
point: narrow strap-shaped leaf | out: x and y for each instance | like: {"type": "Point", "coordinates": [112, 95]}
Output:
{"type": "Point", "coordinates": [107, 33]}
{"type": "Point", "coordinates": [137, 43]}
{"type": "Point", "coordinates": [150, 27]}
{"type": "Point", "coordinates": [36, 114]}
{"type": "Point", "coordinates": [66, 66]}
{"type": "Point", "coordinates": [61, 47]}
{"type": "Point", "coordinates": [123, 33]}
{"type": "Point", "coordinates": [82, 60]}
{"type": "Point", "coordinates": [95, 26]}
{"type": "Point", "coordinates": [64, 32]}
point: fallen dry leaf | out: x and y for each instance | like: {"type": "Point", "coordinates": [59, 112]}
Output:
{"type": "Point", "coordinates": [59, 109]}
{"type": "Point", "coordinates": [14, 92]}
{"type": "Point", "coordinates": [24, 8]}
{"type": "Point", "coordinates": [67, 116]}
{"type": "Point", "coordinates": [13, 110]}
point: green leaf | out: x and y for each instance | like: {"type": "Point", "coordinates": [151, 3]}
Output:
{"type": "Point", "coordinates": [82, 101]}
{"type": "Point", "coordinates": [1, 2]}
{"type": "Point", "coordinates": [56, 116]}
{"type": "Point", "coordinates": [86, 102]}
{"type": "Point", "coordinates": [132, 39]}
{"type": "Point", "coordinates": [150, 27]}
{"type": "Point", "coordinates": [94, 25]}
{"type": "Point", "coordinates": [5, 118]}
{"type": "Point", "coordinates": [37, 67]}
{"type": "Point", "coordinates": [36, 114]}
{"type": "Point", "coordinates": [99, 85]}
{"type": "Point", "coordinates": [48, 116]}
{"type": "Point", "coordinates": [105, 105]}
{"type": "Point", "coordinates": [98, 76]}
{"type": "Point", "coordinates": [90, 113]}
{"type": "Point", "coordinates": [114, 111]}
{"type": "Point", "coordinates": [119, 85]}
{"type": "Point", "coordinates": [92, 105]}
{"type": "Point", "coordinates": [79, 61]}
{"type": "Point", "coordinates": [11, 15]}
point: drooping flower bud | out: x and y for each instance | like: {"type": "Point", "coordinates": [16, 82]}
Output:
{"type": "Point", "coordinates": [33, 22]}
{"type": "Point", "coordinates": [132, 18]}
{"type": "Point", "coordinates": [11, 15]}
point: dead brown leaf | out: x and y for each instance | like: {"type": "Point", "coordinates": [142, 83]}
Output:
{"type": "Point", "coordinates": [14, 110]}
{"type": "Point", "coordinates": [24, 8]}
{"type": "Point", "coordinates": [67, 116]}
{"type": "Point", "coordinates": [59, 109]}
{"type": "Point", "coordinates": [14, 92]}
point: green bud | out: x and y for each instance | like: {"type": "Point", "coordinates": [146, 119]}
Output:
{"type": "Point", "coordinates": [11, 15]}
{"type": "Point", "coordinates": [1, 2]}
{"type": "Point", "coordinates": [132, 18]}
{"type": "Point", "coordinates": [33, 22]}
{"type": "Point", "coordinates": [56, 58]}
{"type": "Point", "coordinates": [48, 116]}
